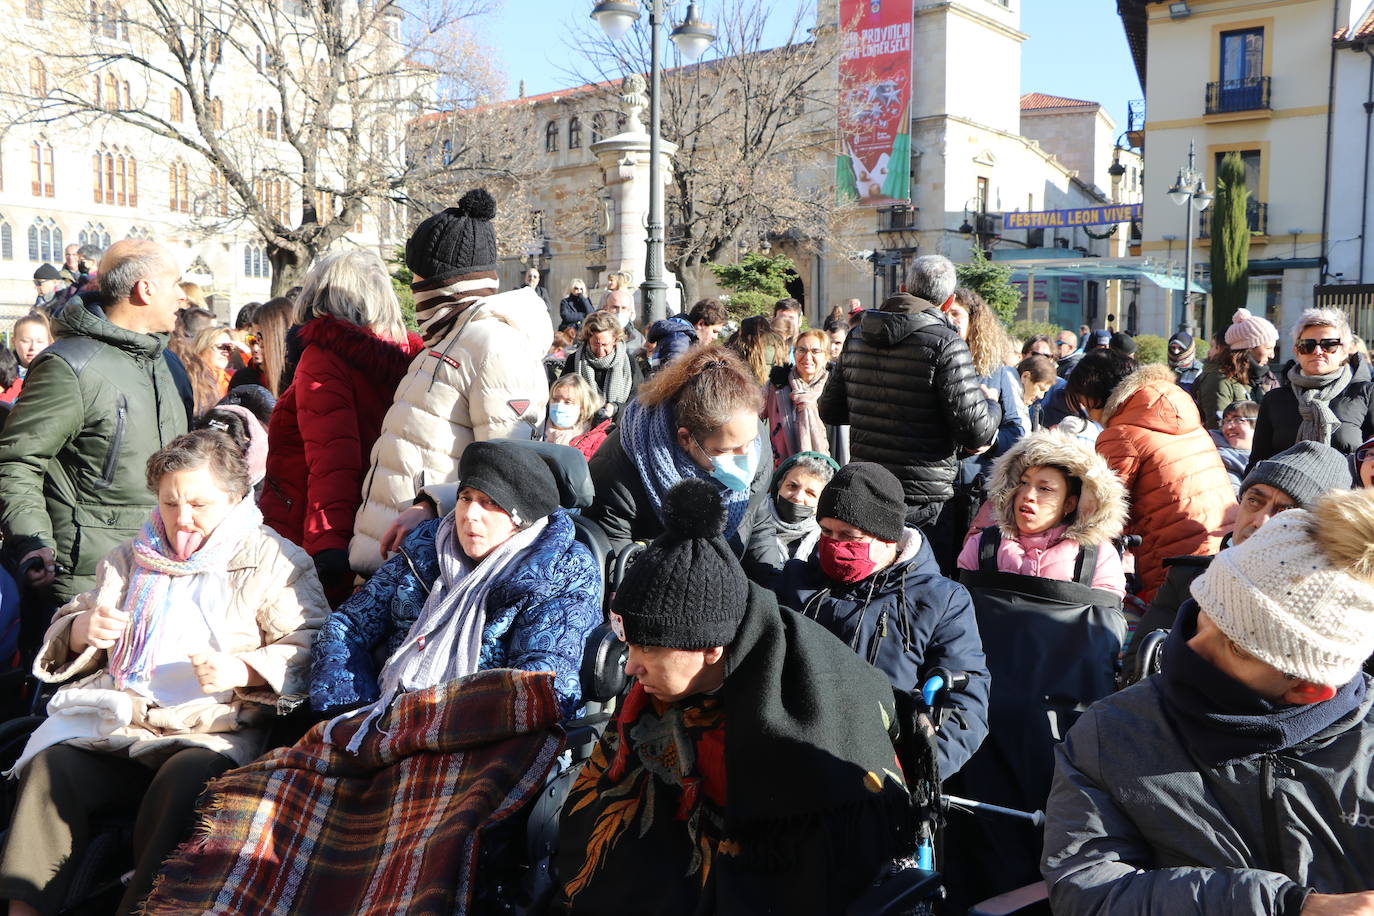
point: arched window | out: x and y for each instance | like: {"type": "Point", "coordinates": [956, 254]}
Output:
{"type": "Point", "coordinates": [111, 91]}
{"type": "Point", "coordinates": [575, 132]}
{"type": "Point", "coordinates": [179, 187]}
{"type": "Point", "coordinates": [551, 137]}
{"type": "Point", "coordinates": [38, 78]}
{"type": "Point", "coordinates": [131, 166]}
{"type": "Point", "coordinates": [6, 240]}
{"type": "Point", "coordinates": [271, 123]}
{"type": "Point", "coordinates": [598, 127]}
{"type": "Point", "coordinates": [95, 235]}
{"type": "Point", "coordinates": [174, 104]}
{"type": "Point", "coordinates": [139, 232]}
{"type": "Point", "coordinates": [219, 193]}
{"type": "Point", "coordinates": [45, 240]}
{"type": "Point", "coordinates": [109, 24]}
{"type": "Point", "coordinates": [41, 167]}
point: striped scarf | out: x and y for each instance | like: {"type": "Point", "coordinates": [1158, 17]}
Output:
{"type": "Point", "coordinates": [616, 365]}
{"type": "Point", "coordinates": [145, 597]}
{"type": "Point", "coordinates": [438, 303]}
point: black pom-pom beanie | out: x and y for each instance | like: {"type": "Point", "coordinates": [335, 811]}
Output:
{"type": "Point", "coordinates": [867, 496]}
{"type": "Point", "coordinates": [455, 242]}
{"type": "Point", "coordinates": [687, 589]}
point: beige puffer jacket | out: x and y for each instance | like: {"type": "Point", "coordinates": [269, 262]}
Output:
{"type": "Point", "coordinates": [484, 381]}
{"type": "Point", "coordinates": [275, 606]}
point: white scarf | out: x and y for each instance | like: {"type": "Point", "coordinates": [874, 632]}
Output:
{"type": "Point", "coordinates": [445, 641]}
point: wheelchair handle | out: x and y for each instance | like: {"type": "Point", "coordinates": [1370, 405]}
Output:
{"type": "Point", "coordinates": [942, 679]}
{"type": "Point", "coordinates": [1037, 818]}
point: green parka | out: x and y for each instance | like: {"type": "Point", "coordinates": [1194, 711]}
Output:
{"type": "Point", "coordinates": [73, 454]}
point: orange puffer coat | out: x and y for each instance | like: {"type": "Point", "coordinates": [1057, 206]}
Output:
{"type": "Point", "coordinates": [1181, 498]}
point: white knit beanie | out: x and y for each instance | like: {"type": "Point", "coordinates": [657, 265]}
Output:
{"type": "Point", "coordinates": [1280, 597]}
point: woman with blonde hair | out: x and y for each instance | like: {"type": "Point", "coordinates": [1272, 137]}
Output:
{"type": "Point", "coordinates": [268, 344]}
{"type": "Point", "coordinates": [211, 351]}
{"type": "Point", "coordinates": [356, 350]}
{"type": "Point", "coordinates": [794, 424]}
{"type": "Point", "coordinates": [603, 360]}
{"type": "Point", "coordinates": [574, 404]}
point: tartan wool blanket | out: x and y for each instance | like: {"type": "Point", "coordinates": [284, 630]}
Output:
{"type": "Point", "coordinates": [313, 830]}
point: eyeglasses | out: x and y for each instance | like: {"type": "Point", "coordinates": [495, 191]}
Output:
{"type": "Point", "coordinates": [1309, 345]}
{"type": "Point", "coordinates": [810, 351]}
{"type": "Point", "coordinates": [1236, 419]}
{"type": "Point", "coordinates": [1364, 454]}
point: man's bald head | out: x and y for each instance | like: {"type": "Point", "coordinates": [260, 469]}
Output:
{"type": "Point", "coordinates": [128, 261]}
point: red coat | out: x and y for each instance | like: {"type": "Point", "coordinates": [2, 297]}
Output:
{"type": "Point", "coordinates": [323, 428]}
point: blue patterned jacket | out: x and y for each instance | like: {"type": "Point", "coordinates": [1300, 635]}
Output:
{"type": "Point", "coordinates": [538, 617]}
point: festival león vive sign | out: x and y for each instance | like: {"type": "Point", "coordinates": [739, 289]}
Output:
{"type": "Point", "coordinates": [873, 163]}
{"type": "Point", "coordinates": [1063, 219]}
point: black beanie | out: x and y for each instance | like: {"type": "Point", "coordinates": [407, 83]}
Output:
{"type": "Point", "coordinates": [516, 478]}
{"type": "Point", "coordinates": [687, 589]}
{"type": "Point", "coordinates": [867, 496]}
{"type": "Point", "coordinates": [460, 240]}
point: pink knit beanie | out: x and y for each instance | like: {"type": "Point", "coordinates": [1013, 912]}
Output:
{"type": "Point", "coordinates": [1248, 331]}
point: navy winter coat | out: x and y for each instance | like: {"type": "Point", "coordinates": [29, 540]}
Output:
{"type": "Point", "coordinates": [906, 620]}
{"type": "Point", "coordinates": [538, 617]}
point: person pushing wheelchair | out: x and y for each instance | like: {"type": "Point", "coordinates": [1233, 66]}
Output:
{"type": "Point", "coordinates": [749, 768]}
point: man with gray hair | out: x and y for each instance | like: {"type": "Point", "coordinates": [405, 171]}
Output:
{"type": "Point", "coordinates": [97, 403]}
{"type": "Point", "coordinates": [906, 387]}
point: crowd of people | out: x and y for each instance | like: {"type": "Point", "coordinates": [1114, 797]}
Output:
{"type": "Point", "coordinates": [382, 528]}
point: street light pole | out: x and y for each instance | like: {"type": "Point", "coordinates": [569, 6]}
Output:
{"type": "Point", "coordinates": [1189, 191]}
{"type": "Point", "coordinates": [692, 38]}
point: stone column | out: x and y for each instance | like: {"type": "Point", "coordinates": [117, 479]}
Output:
{"type": "Point", "coordinates": [624, 161]}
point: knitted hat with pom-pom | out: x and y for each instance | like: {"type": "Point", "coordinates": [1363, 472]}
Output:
{"type": "Point", "coordinates": [687, 589]}
{"type": "Point", "coordinates": [1248, 331]}
{"type": "Point", "coordinates": [457, 241]}
{"type": "Point", "coordinates": [1299, 593]}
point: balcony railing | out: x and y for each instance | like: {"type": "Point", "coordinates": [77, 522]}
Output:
{"type": "Point", "coordinates": [1256, 214]}
{"type": "Point", "coordinates": [897, 218]}
{"type": "Point", "coordinates": [1249, 94]}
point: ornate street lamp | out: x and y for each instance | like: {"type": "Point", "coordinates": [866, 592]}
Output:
{"type": "Point", "coordinates": [692, 38]}
{"type": "Point", "coordinates": [1189, 191]}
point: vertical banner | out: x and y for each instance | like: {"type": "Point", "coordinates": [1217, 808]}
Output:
{"type": "Point", "coordinates": [873, 162]}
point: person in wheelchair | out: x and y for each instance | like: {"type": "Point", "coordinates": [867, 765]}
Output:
{"type": "Point", "coordinates": [1294, 478]}
{"type": "Point", "coordinates": [1240, 779]}
{"type": "Point", "coordinates": [499, 582]}
{"type": "Point", "coordinates": [1053, 496]}
{"type": "Point", "coordinates": [195, 628]}
{"type": "Point", "coordinates": [749, 768]}
{"type": "Point", "coordinates": [874, 583]}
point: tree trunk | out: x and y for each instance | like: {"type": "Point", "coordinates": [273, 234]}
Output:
{"type": "Point", "coordinates": [690, 277]}
{"type": "Point", "coordinates": [288, 269]}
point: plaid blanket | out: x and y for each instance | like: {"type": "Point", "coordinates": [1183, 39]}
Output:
{"type": "Point", "coordinates": [395, 828]}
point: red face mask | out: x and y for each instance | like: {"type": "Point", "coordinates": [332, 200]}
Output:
{"type": "Point", "coordinates": [846, 561]}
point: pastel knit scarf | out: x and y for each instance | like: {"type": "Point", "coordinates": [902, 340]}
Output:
{"type": "Point", "coordinates": [150, 579]}
{"type": "Point", "coordinates": [438, 304]}
{"type": "Point", "coordinates": [649, 437]}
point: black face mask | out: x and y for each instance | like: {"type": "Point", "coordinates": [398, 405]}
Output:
{"type": "Point", "coordinates": [791, 513]}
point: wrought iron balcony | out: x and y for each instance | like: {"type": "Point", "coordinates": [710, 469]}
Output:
{"type": "Point", "coordinates": [1256, 214]}
{"type": "Point", "coordinates": [1249, 94]}
{"type": "Point", "coordinates": [897, 217]}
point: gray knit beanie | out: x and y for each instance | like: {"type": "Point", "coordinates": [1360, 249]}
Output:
{"type": "Point", "coordinates": [1303, 471]}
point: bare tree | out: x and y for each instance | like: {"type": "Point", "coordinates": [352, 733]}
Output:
{"type": "Point", "coordinates": [281, 108]}
{"type": "Point", "coordinates": [754, 126]}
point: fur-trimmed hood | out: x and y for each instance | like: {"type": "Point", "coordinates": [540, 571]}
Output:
{"type": "Point", "coordinates": [1102, 507]}
{"type": "Point", "coordinates": [1150, 397]}
{"type": "Point", "coordinates": [361, 347]}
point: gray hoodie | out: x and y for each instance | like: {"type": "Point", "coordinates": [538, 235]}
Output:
{"type": "Point", "coordinates": [1137, 825]}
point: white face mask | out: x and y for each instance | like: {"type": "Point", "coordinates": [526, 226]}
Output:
{"type": "Point", "coordinates": [623, 318]}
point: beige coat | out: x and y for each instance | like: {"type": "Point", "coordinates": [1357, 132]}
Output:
{"type": "Point", "coordinates": [485, 380]}
{"type": "Point", "coordinates": [275, 606]}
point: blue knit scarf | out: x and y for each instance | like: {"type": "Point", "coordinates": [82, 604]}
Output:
{"type": "Point", "coordinates": [649, 437]}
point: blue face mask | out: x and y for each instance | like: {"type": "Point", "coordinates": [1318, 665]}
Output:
{"type": "Point", "coordinates": [563, 416]}
{"type": "Point", "coordinates": [736, 472]}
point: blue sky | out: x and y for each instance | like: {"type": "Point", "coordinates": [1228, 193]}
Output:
{"type": "Point", "coordinates": [1076, 47]}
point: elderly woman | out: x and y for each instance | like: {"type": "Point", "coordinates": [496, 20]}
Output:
{"type": "Point", "coordinates": [320, 439]}
{"type": "Point", "coordinates": [603, 360]}
{"type": "Point", "coordinates": [572, 418]}
{"type": "Point", "coordinates": [796, 489]}
{"type": "Point", "coordinates": [194, 630]}
{"type": "Point", "coordinates": [793, 422]}
{"type": "Point", "coordinates": [1317, 398]}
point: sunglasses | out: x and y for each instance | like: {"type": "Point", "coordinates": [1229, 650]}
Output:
{"type": "Point", "coordinates": [1309, 345]}
{"type": "Point", "coordinates": [226, 349]}
{"type": "Point", "coordinates": [1363, 454]}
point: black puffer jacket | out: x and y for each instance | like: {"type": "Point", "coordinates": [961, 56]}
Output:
{"type": "Point", "coordinates": [906, 388]}
{"type": "Point", "coordinates": [1277, 426]}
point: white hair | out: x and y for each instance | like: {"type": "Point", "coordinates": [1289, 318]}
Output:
{"type": "Point", "coordinates": [931, 277]}
{"type": "Point", "coordinates": [353, 286]}
{"type": "Point", "coordinates": [1311, 318]}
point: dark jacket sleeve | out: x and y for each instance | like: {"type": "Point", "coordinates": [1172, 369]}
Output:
{"type": "Point", "coordinates": [1096, 862]}
{"type": "Point", "coordinates": [763, 554]}
{"type": "Point", "coordinates": [833, 405]}
{"type": "Point", "coordinates": [614, 506]}
{"type": "Point", "coordinates": [47, 416]}
{"type": "Point", "coordinates": [971, 424]}
{"type": "Point", "coordinates": [956, 645]}
{"type": "Point", "coordinates": [1262, 445]}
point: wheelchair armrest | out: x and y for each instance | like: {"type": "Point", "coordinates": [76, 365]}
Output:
{"type": "Point", "coordinates": [898, 893]}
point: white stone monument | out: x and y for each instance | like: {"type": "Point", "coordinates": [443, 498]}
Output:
{"type": "Point", "coordinates": [624, 161]}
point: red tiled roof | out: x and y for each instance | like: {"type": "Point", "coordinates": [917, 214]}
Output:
{"type": "Point", "coordinates": [1363, 31]}
{"type": "Point", "coordinates": [1035, 100]}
